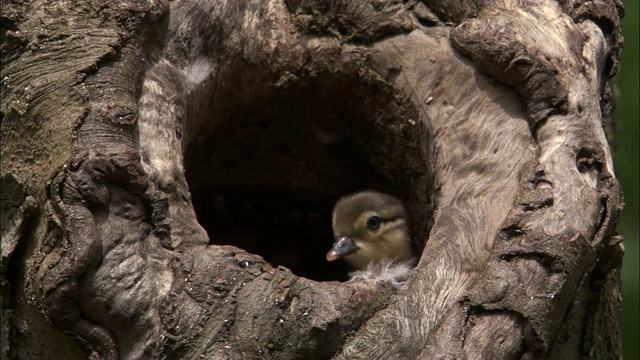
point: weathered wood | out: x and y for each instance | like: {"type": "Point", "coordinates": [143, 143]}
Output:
{"type": "Point", "coordinates": [175, 153]}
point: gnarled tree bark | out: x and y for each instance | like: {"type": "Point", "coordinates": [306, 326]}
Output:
{"type": "Point", "coordinates": [169, 169]}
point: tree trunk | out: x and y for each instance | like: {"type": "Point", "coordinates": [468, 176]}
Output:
{"type": "Point", "coordinates": [169, 170]}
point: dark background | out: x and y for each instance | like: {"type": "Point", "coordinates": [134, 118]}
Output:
{"type": "Point", "coordinates": [626, 159]}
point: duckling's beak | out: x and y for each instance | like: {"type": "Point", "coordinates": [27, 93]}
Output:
{"type": "Point", "coordinates": [342, 247]}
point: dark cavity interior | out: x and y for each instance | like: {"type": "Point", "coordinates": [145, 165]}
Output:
{"type": "Point", "coordinates": [266, 163]}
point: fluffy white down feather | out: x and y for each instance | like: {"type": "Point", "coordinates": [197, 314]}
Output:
{"type": "Point", "coordinates": [393, 273]}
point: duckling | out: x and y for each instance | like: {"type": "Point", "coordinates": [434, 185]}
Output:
{"type": "Point", "coordinates": [371, 234]}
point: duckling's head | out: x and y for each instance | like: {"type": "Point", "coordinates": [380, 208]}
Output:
{"type": "Point", "coordinates": [369, 227]}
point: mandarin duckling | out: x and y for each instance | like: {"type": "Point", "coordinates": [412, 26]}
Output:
{"type": "Point", "coordinates": [371, 234]}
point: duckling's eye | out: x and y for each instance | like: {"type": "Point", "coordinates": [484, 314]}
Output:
{"type": "Point", "coordinates": [373, 222]}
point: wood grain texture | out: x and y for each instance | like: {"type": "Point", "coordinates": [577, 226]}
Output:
{"type": "Point", "coordinates": [178, 152]}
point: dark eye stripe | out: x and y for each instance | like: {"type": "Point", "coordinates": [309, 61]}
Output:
{"type": "Point", "coordinates": [394, 222]}
{"type": "Point", "coordinates": [382, 220]}
{"type": "Point", "coordinates": [390, 219]}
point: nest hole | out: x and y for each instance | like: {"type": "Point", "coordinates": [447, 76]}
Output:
{"type": "Point", "coordinates": [266, 165]}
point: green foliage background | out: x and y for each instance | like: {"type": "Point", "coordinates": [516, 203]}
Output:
{"type": "Point", "coordinates": [626, 159]}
